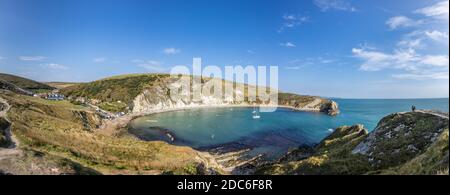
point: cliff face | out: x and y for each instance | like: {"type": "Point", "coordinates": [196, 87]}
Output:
{"type": "Point", "coordinates": [158, 97]}
{"type": "Point", "coordinates": [402, 143]}
{"type": "Point", "coordinates": [152, 92]}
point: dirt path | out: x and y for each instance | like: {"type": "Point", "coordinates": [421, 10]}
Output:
{"type": "Point", "coordinates": [12, 150]}
{"type": "Point", "coordinates": [433, 113]}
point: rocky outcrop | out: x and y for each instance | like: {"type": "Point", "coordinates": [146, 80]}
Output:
{"type": "Point", "coordinates": [401, 137]}
{"type": "Point", "coordinates": [331, 108]}
{"type": "Point", "coordinates": [402, 143]}
{"type": "Point", "coordinates": [330, 156]}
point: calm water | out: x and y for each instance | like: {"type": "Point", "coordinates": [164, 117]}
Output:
{"type": "Point", "coordinates": [274, 133]}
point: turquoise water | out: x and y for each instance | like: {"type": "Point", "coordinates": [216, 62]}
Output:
{"type": "Point", "coordinates": [274, 133]}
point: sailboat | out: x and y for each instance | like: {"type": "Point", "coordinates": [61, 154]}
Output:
{"type": "Point", "coordinates": [256, 114]}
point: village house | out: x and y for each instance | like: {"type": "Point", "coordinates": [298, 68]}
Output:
{"type": "Point", "coordinates": [55, 97]}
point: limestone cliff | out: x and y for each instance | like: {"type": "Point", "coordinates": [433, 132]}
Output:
{"type": "Point", "coordinates": [145, 93]}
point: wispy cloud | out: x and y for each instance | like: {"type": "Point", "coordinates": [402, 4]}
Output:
{"type": "Point", "coordinates": [293, 67]}
{"type": "Point", "coordinates": [55, 66]}
{"type": "Point", "coordinates": [437, 36]}
{"type": "Point", "coordinates": [2, 58]}
{"type": "Point", "coordinates": [292, 20]}
{"type": "Point", "coordinates": [288, 44]}
{"type": "Point", "coordinates": [312, 61]}
{"type": "Point", "coordinates": [32, 58]}
{"type": "Point", "coordinates": [251, 51]}
{"type": "Point", "coordinates": [341, 5]}
{"type": "Point", "coordinates": [100, 59]}
{"type": "Point", "coordinates": [406, 60]}
{"type": "Point", "coordinates": [151, 65]}
{"type": "Point", "coordinates": [402, 22]}
{"type": "Point", "coordinates": [412, 56]}
{"type": "Point", "coordinates": [439, 10]}
{"type": "Point", "coordinates": [171, 51]}
{"type": "Point", "coordinates": [433, 76]}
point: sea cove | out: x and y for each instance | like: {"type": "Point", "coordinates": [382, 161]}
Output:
{"type": "Point", "coordinates": [234, 128]}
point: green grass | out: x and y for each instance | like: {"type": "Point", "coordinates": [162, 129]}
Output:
{"type": "Point", "coordinates": [114, 89]}
{"type": "Point", "coordinates": [24, 83]}
{"type": "Point", "coordinates": [419, 126]}
{"type": "Point", "coordinates": [433, 161]}
{"type": "Point", "coordinates": [113, 106]}
{"type": "Point", "coordinates": [59, 128]}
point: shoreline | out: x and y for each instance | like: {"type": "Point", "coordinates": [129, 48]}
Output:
{"type": "Point", "coordinates": [114, 127]}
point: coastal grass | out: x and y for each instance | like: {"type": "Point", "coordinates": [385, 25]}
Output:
{"type": "Point", "coordinates": [434, 161]}
{"type": "Point", "coordinates": [113, 106]}
{"type": "Point", "coordinates": [412, 133]}
{"type": "Point", "coordinates": [24, 83]}
{"type": "Point", "coordinates": [58, 129]}
{"type": "Point", "coordinates": [112, 90]}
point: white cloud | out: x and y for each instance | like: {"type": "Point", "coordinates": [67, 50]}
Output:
{"type": "Point", "coordinates": [402, 21]}
{"type": "Point", "coordinates": [55, 66]}
{"type": "Point", "coordinates": [437, 35]}
{"type": "Point", "coordinates": [137, 61]}
{"type": "Point", "coordinates": [342, 5]}
{"type": "Point", "coordinates": [152, 65]}
{"type": "Point", "coordinates": [418, 54]}
{"type": "Point", "coordinates": [32, 58]}
{"type": "Point", "coordinates": [251, 51]}
{"type": "Point", "coordinates": [2, 58]}
{"type": "Point", "coordinates": [293, 68]}
{"type": "Point", "coordinates": [438, 75]}
{"type": "Point", "coordinates": [288, 44]}
{"type": "Point", "coordinates": [100, 60]}
{"type": "Point", "coordinates": [171, 51]}
{"type": "Point", "coordinates": [411, 43]}
{"type": "Point", "coordinates": [435, 60]}
{"type": "Point", "coordinates": [438, 10]}
{"type": "Point", "coordinates": [406, 60]}
{"type": "Point", "coordinates": [291, 21]}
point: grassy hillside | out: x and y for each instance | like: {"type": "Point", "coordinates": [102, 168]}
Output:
{"type": "Point", "coordinates": [65, 130]}
{"type": "Point", "coordinates": [24, 83]}
{"type": "Point", "coordinates": [112, 90]}
{"type": "Point", "coordinates": [117, 93]}
{"type": "Point", "coordinates": [60, 85]}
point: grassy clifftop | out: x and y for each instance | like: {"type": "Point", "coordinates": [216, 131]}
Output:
{"type": "Point", "coordinates": [24, 83]}
{"type": "Point", "coordinates": [123, 88]}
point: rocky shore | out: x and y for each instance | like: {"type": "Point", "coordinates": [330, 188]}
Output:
{"type": "Point", "coordinates": [402, 143]}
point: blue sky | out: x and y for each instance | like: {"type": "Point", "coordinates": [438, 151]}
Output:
{"type": "Point", "coordinates": [334, 48]}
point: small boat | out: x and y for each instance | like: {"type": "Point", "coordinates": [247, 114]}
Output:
{"type": "Point", "coordinates": [255, 114]}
